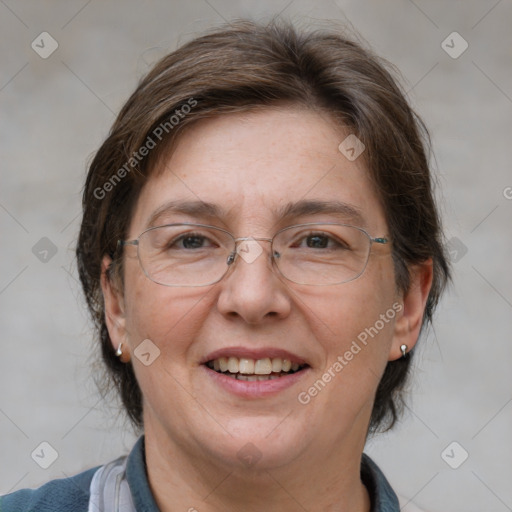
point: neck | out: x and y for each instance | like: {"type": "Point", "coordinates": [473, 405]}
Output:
{"type": "Point", "coordinates": [327, 480]}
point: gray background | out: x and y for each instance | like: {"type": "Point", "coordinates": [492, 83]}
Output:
{"type": "Point", "coordinates": [55, 113]}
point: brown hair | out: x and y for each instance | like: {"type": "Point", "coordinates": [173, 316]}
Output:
{"type": "Point", "coordinates": [245, 66]}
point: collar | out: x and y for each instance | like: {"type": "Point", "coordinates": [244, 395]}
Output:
{"type": "Point", "coordinates": [137, 477]}
{"type": "Point", "coordinates": [382, 496]}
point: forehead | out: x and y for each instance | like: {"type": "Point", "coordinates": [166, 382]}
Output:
{"type": "Point", "coordinates": [257, 168]}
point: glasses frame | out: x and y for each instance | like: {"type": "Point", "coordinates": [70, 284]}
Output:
{"type": "Point", "coordinates": [274, 255]}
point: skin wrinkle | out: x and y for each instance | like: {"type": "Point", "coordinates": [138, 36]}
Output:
{"type": "Point", "coordinates": [315, 454]}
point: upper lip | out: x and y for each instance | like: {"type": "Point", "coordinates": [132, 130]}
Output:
{"type": "Point", "coordinates": [253, 353]}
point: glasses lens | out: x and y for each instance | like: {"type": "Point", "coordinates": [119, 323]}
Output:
{"type": "Point", "coordinates": [322, 254]}
{"type": "Point", "coordinates": [185, 254]}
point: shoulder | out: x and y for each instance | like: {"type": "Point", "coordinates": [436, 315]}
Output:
{"type": "Point", "coordinates": [60, 495]}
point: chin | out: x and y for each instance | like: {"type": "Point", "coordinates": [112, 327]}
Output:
{"type": "Point", "coordinates": [258, 449]}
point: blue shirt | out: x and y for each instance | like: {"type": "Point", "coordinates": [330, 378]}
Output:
{"type": "Point", "coordinates": [72, 494]}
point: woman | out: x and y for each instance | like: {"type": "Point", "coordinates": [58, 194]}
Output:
{"type": "Point", "coordinates": [260, 249]}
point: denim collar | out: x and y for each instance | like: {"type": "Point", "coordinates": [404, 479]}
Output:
{"type": "Point", "coordinates": [136, 475]}
{"type": "Point", "coordinates": [382, 496]}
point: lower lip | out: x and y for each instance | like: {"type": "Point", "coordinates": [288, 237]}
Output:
{"type": "Point", "coordinates": [255, 389]}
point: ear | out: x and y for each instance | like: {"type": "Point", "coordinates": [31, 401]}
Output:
{"type": "Point", "coordinates": [114, 311]}
{"type": "Point", "coordinates": [409, 319]}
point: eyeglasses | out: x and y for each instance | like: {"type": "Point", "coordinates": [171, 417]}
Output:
{"type": "Point", "coordinates": [201, 255]}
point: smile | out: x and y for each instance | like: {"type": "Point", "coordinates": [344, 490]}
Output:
{"type": "Point", "coordinates": [254, 369]}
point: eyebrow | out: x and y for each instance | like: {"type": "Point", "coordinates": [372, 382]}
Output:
{"type": "Point", "coordinates": [343, 211]}
{"type": "Point", "coordinates": [192, 208]}
{"type": "Point", "coordinates": [201, 209]}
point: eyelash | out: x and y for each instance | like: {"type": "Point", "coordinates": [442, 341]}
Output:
{"type": "Point", "coordinates": [300, 238]}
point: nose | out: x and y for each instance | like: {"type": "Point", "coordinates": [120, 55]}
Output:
{"type": "Point", "coordinates": [252, 289]}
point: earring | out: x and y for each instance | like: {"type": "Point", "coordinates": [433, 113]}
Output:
{"type": "Point", "coordinates": [119, 351]}
{"type": "Point", "coordinates": [403, 348]}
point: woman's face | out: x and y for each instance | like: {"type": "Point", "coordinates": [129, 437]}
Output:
{"type": "Point", "coordinates": [250, 166]}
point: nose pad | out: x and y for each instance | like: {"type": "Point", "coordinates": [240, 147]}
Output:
{"type": "Point", "coordinates": [274, 258]}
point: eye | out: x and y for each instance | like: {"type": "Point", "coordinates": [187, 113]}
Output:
{"type": "Point", "coordinates": [317, 241]}
{"type": "Point", "coordinates": [190, 241]}
{"type": "Point", "coordinates": [320, 240]}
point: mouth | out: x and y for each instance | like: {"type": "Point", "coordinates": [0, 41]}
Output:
{"type": "Point", "coordinates": [252, 370]}
{"type": "Point", "coordinates": [254, 373]}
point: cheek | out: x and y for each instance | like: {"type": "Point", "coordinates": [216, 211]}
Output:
{"type": "Point", "coordinates": [356, 352]}
{"type": "Point", "coordinates": [355, 326]}
{"type": "Point", "coordinates": [371, 307]}
{"type": "Point", "coordinates": [361, 334]}
{"type": "Point", "coordinates": [170, 320]}
{"type": "Point", "coordinates": [357, 310]}
{"type": "Point", "coordinates": [167, 316]}
{"type": "Point", "coordinates": [173, 319]}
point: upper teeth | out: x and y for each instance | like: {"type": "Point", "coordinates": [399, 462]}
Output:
{"type": "Point", "coordinates": [246, 366]}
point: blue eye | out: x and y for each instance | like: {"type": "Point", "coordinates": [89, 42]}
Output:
{"type": "Point", "coordinates": [191, 241]}
{"type": "Point", "coordinates": [320, 241]}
